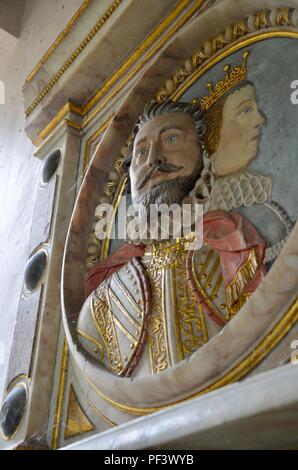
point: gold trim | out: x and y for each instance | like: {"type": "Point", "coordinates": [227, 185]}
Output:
{"type": "Point", "coordinates": [127, 294]}
{"type": "Point", "coordinates": [173, 287]}
{"type": "Point", "coordinates": [72, 124]}
{"type": "Point", "coordinates": [208, 298]}
{"type": "Point", "coordinates": [62, 380]}
{"type": "Point", "coordinates": [197, 59]}
{"type": "Point", "coordinates": [169, 34]}
{"type": "Point", "coordinates": [59, 39]}
{"type": "Point", "coordinates": [212, 271]}
{"type": "Point", "coordinates": [126, 333]}
{"type": "Point", "coordinates": [245, 273]}
{"type": "Point", "coordinates": [101, 311]}
{"type": "Point", "coordinates": [106, 241]}
{"type": "Point", "coordinates": [222, 55]}
{"type": "Point", "coordinates": [67, 108]}
{"type": "Point", "coordinates": [101, 415]}
{"type": "Point", "coordinates": [121, 307]}
{"type": "Point", "coordinates": [113, 191]}
{"type": "Point", "coordinates": [157, 332]}
{"type": "Point", "coordinates": [193, 68]}
{"type": "Point", "coordinates": [164, 317]}
{"type": "Point", "coordinates": [240, 29]}
{"type": "Point", "coordinates": [262, 20]}
{"type": "Point", "coordinates": [92, 340]}
{"type": "Point", "coordinates": [191, 321]}
{"type": "Point", "coordinates": [77, 421]}
{"type": "Point", "coordinates": [92, 138]}
{"type": "Point", "coordinates": [133, 58]}
{"type": "Point", "coordinates": [253, 358]}
{"type": "Point", "coordinates": [217, 286]}
{"type": "Point", "coordinates": [100, 23]}
{"type": "Point", "coordinates": [282, 18]}
{"type": "Point", "coordinates": [136, 54]}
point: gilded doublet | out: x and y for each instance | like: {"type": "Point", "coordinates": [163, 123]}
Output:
{"type": "Point", "coordinates": [146, 317]}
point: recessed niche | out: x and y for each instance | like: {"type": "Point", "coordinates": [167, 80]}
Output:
{"type": "Point", "coordinates": [12, 411]}
{"type": "Point", "coordinates": [35, 269]}
{"type": "Point", "coordinates": [50, 166]}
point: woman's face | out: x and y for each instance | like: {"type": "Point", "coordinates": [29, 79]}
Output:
{"type": "Point", "coordinates": [240, 133]}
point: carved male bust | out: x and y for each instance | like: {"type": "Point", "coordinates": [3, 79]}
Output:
{"type": "Point", "coordinates": [154, 304]}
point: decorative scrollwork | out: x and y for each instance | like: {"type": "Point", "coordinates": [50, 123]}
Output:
{"type": "Point", "coordinates": [109, 194]}
{"type": "Point", "coordinates": [282, 17]}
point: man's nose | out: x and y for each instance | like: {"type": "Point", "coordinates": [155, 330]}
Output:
{"type": "Point", "coordinates": [154, 156]}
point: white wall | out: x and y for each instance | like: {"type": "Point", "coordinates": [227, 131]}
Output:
{"type": "Point", "coordinates": [42, 22]}
{"type": "Point", "coordinates": [11, 15]}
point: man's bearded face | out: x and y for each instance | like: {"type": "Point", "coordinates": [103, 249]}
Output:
{"type": "Point", "coordinates": [167, 192]}
{"type": "Point", "coordinates": [166, 160]}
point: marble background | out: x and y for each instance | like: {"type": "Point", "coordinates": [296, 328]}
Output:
{"type": "Point", "coordinates": [19, 171]}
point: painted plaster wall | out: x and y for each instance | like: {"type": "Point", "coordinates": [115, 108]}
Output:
{"type": "Point", "coordinates": [43, 20]}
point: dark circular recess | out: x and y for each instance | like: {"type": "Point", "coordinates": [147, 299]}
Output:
{"type": "Point", "coordinates": [35, 269]}
{"type": "Point", "coordinates": [50, 166]}
{"type": "Point", "coordinates": [12, 411]}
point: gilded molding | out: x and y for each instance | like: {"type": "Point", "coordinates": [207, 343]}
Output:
{"type": "Point", "coordinates": [59, 39]}
{"type": "Point", "coordinates": [240, 29]}
{"type": "Point", "coordinates": [138, 53]}
{"type": "Point", "coordinates": [100, 23]}
{"type": "Point", "coordinates": [283, 18]}
{"type": "Point", "coordinates": [67, 108]}
{"type": "Point", "coordinates": [262, 20]}
{"type": "Point", "coordinates": [133, 58]}
{"type": "Point", "coordinates": [202, 60]}
{"type": "Point", "coordinates": [60, 396]}
{"type": "Point", "coordinates": [77, 422]}
{"type": "Point", "coordinates": [260, 36]}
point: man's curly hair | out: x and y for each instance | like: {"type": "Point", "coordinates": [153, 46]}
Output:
{"type": "Point", "coordinates": [154, 109]}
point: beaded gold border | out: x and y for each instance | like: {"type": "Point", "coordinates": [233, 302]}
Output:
{"type": "Point", "coordinates": [132, 61]}
{"type": "Point", "coordinates": [100, 23]}
{"type": "Point", "coordinates": [59, 39]}
{"type": "Point", "coordinates": [228, 41]}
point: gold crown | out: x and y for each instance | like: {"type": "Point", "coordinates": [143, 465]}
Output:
{"type": "Point", "coordinates": [231, 79]}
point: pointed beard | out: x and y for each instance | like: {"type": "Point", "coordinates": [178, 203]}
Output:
{"type": "Point", "coordinates": [167, 192]}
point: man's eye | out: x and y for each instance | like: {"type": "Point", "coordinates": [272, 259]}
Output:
{"type": "Point", "coordinates": [171, 138]}
{"type": "Point", "coordinates": [142, 152]}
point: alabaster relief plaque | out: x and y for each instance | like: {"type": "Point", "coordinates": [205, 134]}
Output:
{"type": "Point", "coordinates": [163, 320]}
{"type": "Point", "coordinates": [268, 164]}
